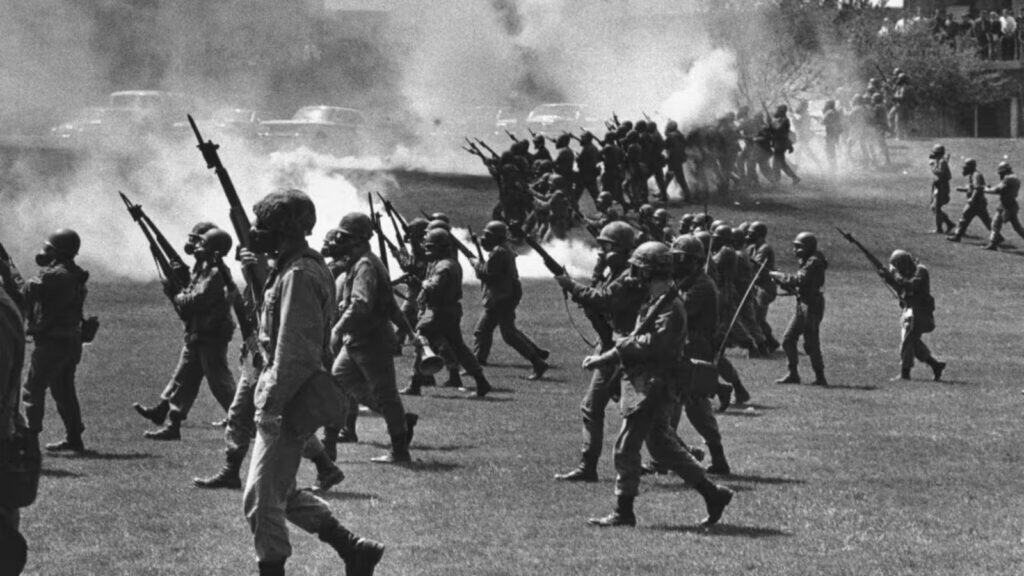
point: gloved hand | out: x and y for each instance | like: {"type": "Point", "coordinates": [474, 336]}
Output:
{"type": "Point", "coordinates": [564, 281]}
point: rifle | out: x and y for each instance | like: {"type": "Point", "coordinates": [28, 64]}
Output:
{"type": "Point", "coordinates": [255, 274]}
{"type": "Point", "coordinates": [882, 269]}
{"type": "Point", "coordinates": [512, 136]}
{"type": "Point", "coordinates": [381, 240]}
{"type": "Point", "coordinates": [885, 79]}
{"type": "Point", "coordinates": [472, 149]}
{"type": "Point", "coordinates": [646, 117]}
{"type": "Point", "coordinates": [400, 232]}
{"type": "Point", "coordinates": [648, 323]}
{"type": "Point", "coordinates": [739, 310]}
{"type": "Point", "coordinates": [171, 267]}
{"type": "Point", "coordinates": [246, 322]}
{"type": "Point", "coordinates": [476, 242]}
{"type": "Point", "coordinates": [550, 263]}
{"type": "Point", "coordinates": [615, 119]}
{"type": "Point", "coordinates": [532, 133]}
{"type": "Point", "coordinates": [488, 148]}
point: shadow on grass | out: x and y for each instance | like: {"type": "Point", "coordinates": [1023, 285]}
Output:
{"type": "Point", "coordinates": [58, 473]}
{"type": "Point", "coordinates": [94, 455]}
{"type": "Point", "coordinates": [342, 496]}
{"type": "Point", "coordinates": [832, 386]}
{"type": "Point", "coordinates": [741, 411]}
{"type": "Point", "coordinates": [724, 530]}
{"type": "Point", "coordinates": [485, 399]}
{"type": "Point", "coordinates": [758, 479]}
{"type": "Point", "coordinates": [431, 466]}
{"type": "Point", "coordinates": [424, 447]}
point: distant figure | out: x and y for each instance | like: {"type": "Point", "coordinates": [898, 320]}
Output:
{"type": "Point", "coordinates": [977, 206]}
{"type": "Point", "coordinates": [1007, 190]}
{"type": "Point", "coordinates": [913, 285]}
{"type": "Point", "coordinates": [939, 163]}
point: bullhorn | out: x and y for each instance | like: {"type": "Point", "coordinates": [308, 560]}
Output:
{"type": "Point", "coordinates": [427, 361]}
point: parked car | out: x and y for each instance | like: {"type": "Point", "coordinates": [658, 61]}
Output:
{"type": "Point", "coordinates": [98, 125]}
{"type": "Point", "coordinates": [329, 129]}
{"type": "Point", "coordinates": [237, 122]}
{"type": "Point", "coordinates": [157, 111]}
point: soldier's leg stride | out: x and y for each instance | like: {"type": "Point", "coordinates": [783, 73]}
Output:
{"type": "Point", "coordinates": [592, 407]}
{"type": "Point", "coordinates": [789, 342]}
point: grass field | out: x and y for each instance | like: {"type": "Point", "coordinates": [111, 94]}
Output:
{"type": "Point", "coordinates": [865, 477]}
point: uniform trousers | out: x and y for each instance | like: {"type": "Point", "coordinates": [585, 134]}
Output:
{"type": "Point", "coordinates": [504, 319]}
{"type": "Point", "coordinates": [199, 359]}
{"type": "Point", "coordinates": [805, 322]}
{"type": "Point", "coordinates": [53, 365]}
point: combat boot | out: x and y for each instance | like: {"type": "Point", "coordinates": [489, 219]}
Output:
{"type": "Point", "coordinates": [271, 568]}
{"type": "Point", "coordinates": [72, 443]}
{"type": "Point", "coordinates": [937, 368]}
{"type": "Point", "coordinates": [716, 498]}
{"type": "Point", "coordinates": [360, 554]}
{"type": "Point", "coordinates": [538, 371]}
{"type": "Point", "coordinates": [904, 375]}
{"type": "Point", "coordinates": [482, 386]}
{"type": "Point", "coordinates": [228, 477]}
{"type": "Point", "coordinates": [585, 472]}
{"type": "Point", "coordinates": [740, 393]}
{"type": "Point", "coordinates": [793, 377]}
{"type": "Point", "coordinates": [622, 515]}
{"type": "Point", "coordinates": [157, 414]}
{"type": "Point", "coordinates": [399, 453]}
{"type": "Point", "coordinates": [454, 380]}
{"type": "Point", "coordinates": [411, 419]}
{"type": "Point", "coordinates": [330, 442]}
{"type": "Point", "coordinates": [719, 465]}
{"type": "Point", "coordinates": [171, 431]}
{"type": "Point", "coordinates": [413, 389]}
{"type": "Point", "coordinates": [724, 397]}
{"type": "Point", "coordinates": [820, 380]}
{"type": "Point", "coordinates": [328, 475]}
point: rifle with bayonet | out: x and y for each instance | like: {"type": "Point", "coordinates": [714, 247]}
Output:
{"type": "Point", "coordinates": [512, 136]}
{"type": "Point", "coordinates": [401, 232]}
{"type": "Point", "coordinates": [382, 241]}
{"type": "Point", "coordinates": [246, 321]}
{"type": "Point", "coordinates": [458, 243]}
{"type": "Point", "coordinates": [255, 273]}
{"type": "Point", "coordinates": [882, 270]}
{"type": "Point", "coordinates": [476, 243]}
{"type": "Point", "coordinates": [172, 269]}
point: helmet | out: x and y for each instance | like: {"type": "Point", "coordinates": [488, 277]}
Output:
{"type": "Point", "coordinates": [758, 230]}
{"type": "Point", "coordinates": [739, 236]}
{"type": "Point", "coordinates": [970, 163]}
{"type": "Point", "coordinates": [686, 218]}
{"type": "Point", "coordinates": [201, 227]}
{"type": "Point", "coordinates": [619, 234]}
{"type": "Point", "coordinates": [646, 211]}
{"type": "Point", "coordinates": [671, 126]}
{"type": "Point", "coordinates": [743, 227]}
{"type": "Point", "coordinates": [417, 226]}
{"type": "Point", "coordinates": [356, 225]}
{"type": "Point", "coordinates": [938, 151]}
{"type": "Point", "coordinates": [652, 126]}
{"type": "Point", "coordinates": [716, 224]}
{"type": "Point", "coordinates": [499, 230]}
{"type": "Point", "coordinates": [557, 182]}
{"type": "Point", "coordinates": [604, 197]}
{"type": "Point", "coordinates": [781, 110]}
{"type": "Point", "coordinates": [65, 242]}
{"type": "Point", "coordinates": [641, 126]}
{"type": "Point", "coordinates": [586, 137]}
{"type": "Point", "coordinates": [216, 242]}
{"type": "Point", "coordinates": [653, 256]}
{"type": "Point", "coordinates": [661, 216]}
{"type": "Point", "coordinates": [901, 260]}
{"type": "Point", "coordinates": [722, 232]}
{"type": "Point", "coordinates": [289, 212]}
{"type": "Point", "coordinates": [704, 237]}
{"type": "Point", "coordinates": [437, 240]}
{"type": "Point", "coordinates": [438, 224]}
{"type": "Point", "coordinates": [806, 241]}
{"type": "Point", "coordinates": [700, 220]}
{"type": "Point", "coordinates": [1003, 168]}
{"type": "Point", "coordinates": [688, 245]}
{"type": "Point", "coordinates": [441, 216]}
{"type": "Point", "coordinates": [538, 139]}
{"type": "Point", "coordinates": [563, 141]}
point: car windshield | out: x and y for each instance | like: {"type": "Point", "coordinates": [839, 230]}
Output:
{"type": "Point", "coordinates": [562, 110]}
{"type": "Point", "coordinates": [335, 115]}
{"type": "Point", "coordinates": [232, 115]}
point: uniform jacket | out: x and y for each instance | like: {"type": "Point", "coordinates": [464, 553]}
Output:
{"type": "Point", "coordinates": [613, 159]}
{"type": "Point", "coordinates": [1007, 190]}
{"type": "Point", "coordinates": [916, 291]}
{"type": "Point", "coordinates": [12, 349]}
{"type": "Point", "coordinates": [651, 359]}
{"type": "Point", "coordinates": [499, 279]}
{"type": "Point", "coordinates": [366, 304]}
{"type": "Point", "coordinates": [440, 298]}
{"type": "Point", "coordinates": [940, 175]}
{"type": "Point", "coordinates": [700, 300]}
{"type": "Point", "coordinates": [295, 327]}
{"type": "Point", "coordinates": [204, 306]}
{"type": "Point", "coordinates": [725, 273]}
{"type": "Point", "coordinates": [54, 299]}
{"type": "Point", "coordinates": [587, 162]}
{"type": "Point", "coordinates": [675, 146]}
{"type": "Point", "coordinates": [808, 282]}
{"type": "Point", "coordinates": [760, 254]}
{"type": "Point", "coordinates": [976, 190]}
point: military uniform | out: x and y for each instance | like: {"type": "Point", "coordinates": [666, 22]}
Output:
{"type": "Point", "coordinates": [918, 318]}
{"type": "Point", "coordinates": [976, 207]}
{"type": "Point", "coordinates": [502, 292]}
{"type": "Point", "coordinates": [13, 549]}
{"type": "Point", "coordinates": [208, 329]}
{"type": "Point", "coordinates": [1008, 211]}
{"type": "Point", "coordinates": [781, 144]}
{"type": "Point", "coordinates": [807, 283]}
{"type": "Point", "coordinates": [940, 193]}
{"type": "Point", "coordinates": [613, 162]}
{"type": "Point", "coordinates": [55, 298]}
{"type": "Point", "coordinates": [587, 164]}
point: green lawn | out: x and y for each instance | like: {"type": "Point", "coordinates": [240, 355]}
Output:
{"type": "Point", "coordinates": [866, 477]}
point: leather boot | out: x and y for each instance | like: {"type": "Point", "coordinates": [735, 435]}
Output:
{"type": "Point", "coordinates": [360, 554]}
{"type": "Point", "coordinates": [740, 393]}
{"type": "Point", "coordinates": [413, 389]}
{"type": "Point", "coordinates": [171, 431]}
{"type": "Point", "coordinates": [228, 477]}
{"type": "Point", "coordinates": [454, 379]}
{"type": "Point", "coordinates": [411, 419]}
{"type": "Point", "coordinates": [399, 451]}
{"type": "Point", "coordinates": [622, 515]}
{"type": "Point", "coordinates": [71, 443]}
{"type": "Point", "coordinates": [271, 568]}
{"type": "Point", "coordinates": [585, 472]}
{"type": "Point", "coordinates": [482, 386]}
{"type": "Point", "coordinates": [937, 368]}
{"type": "Point", "coordinates": [157, 414]}
{"type": "Point", "coordinates": [724, 397]}
{"type": "Point", "coordinates": [719, 465]}
{"type": "Point", "coordinates": [330, 442]}
{"type": "Point", "coordinates": [328, 474]}
{"type": "Point", "coordinates": [716, 498]}
{"type": "Point", "coordinates": [793, 377]}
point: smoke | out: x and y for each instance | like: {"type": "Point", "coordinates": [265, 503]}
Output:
{"type": "Point", "coordinates": [707, 92]}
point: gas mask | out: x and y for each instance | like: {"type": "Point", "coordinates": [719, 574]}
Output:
{"type": "Point", "coordinates": [488, 242]}
{"type": "Point", "coordinates": [45, 257]}
{"type": "Point", "coordinates": [190, 244]}
{"type": "Point", "coordinates": [263, 241]}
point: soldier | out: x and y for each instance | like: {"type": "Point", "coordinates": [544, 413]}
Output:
{"type": "Point", "coordinates": [939, 163]}
{"type": "Point", "coordinates": [502, 293]}
{"type": "Point", "coordinates": [724, 271]}
{"type": "Point", "coordinates": [660, 228]}
{"type": "Point", "coordinates": [204, 307]}
{"type": "Point", "coordinates": [54, 299]}
{"type": "Point", "coordinates": [651, 362]}
{"type": "Point", "coordinates": [414, 265]}
{"type": "Point", "coordinates": [685, 224]}
{"type": "Point", "coordinates": [765, 291]}
{"type": "Point", "coordinates": [977, 206]}
{"type": "Point", "coordinates": [880, 125]}
{"type": "Point", "coordinates": [807, 284]}
{"type": "Point", "coordinates": [289, 398]}
{"type": "Point", "coordinates": [912, 283]}
{"type": "Point", "coordinates": [675, 149]}
{"type": "Point", "coordinates": [540, 148]}
{"type": "Point", "coordinates": [1007, 190]}
{"type": "Point", "coordinates": [565, 165]}
{"type": "Point", "coordinates": [900, 111]}
{"type": "Point", "coordinates": [613, 161]}
{"type": "Point", "coordinates": [588, 170]}
{"type": "Point", "coordinates": [656, 159]}
{"type": "Point", "coordinates": [637, 175]}
{"type": "Point", "coordinates": [612, 304]}
{"type": "Point", "coordinates": [781, 144]}
{"type": "Point", "coordinates": [440, 310]}
{"type": "Point", "coordinates": [745, 270]}
{"type": "Point", "coordinates": [17, 445]}
{"type": "Point", "coordinates": [832, 120]}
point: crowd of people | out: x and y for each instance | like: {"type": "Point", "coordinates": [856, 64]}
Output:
{"type": "Point", "coordinates": [995, 35]}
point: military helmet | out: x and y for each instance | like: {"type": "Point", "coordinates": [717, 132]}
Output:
{"type": "Point", "coordinates": [438, 225]}
{"type": "Point", "coordinates": [441, 216]}
{"type": "Point", "coordinates": [671, 126]}
{"type": "Point", "coordinates": [704, 237]}
{"type": "Point", "coordinates": [538, 139]}
{"type": "Point", "coordinates": [200, 227]}
{"type": "Point", "coordinates": [722, 232]}
{"type": "Point", "coordinates": [417, 225]}
{"type": "Point", "coordinates": [743, 227]}
{"type": "Point", "coordinates": [938, 151]}
{"type": "Point", "coordinates": [586, 137]}
{"type": "Point", "coordinates": [619, 234]}
{"type": "Point", "coordinates": [688, 245]}
{"type": "Point", "coordinates": [437, 239]}
{"type": "Point", "coordinates": [661, 214]}
{"type": "Point", "coordinates": [970, 163]}
{"type": "Point", "coordinates": [806, 241]}
{"type": "Point", "coordinates": [700, 220]}
{"type": "Point", "coordinates": [646, 211]}
{"type": "Point", "coordinates": [686, 218]}
{"type": "Point", "coordinates": [65, 242]}
{"type": "Point", "coordinates": [289, 212]}
{"type": "Point", "coordinates": [563, 141]}
{"type": "Point", "coordinates": [652, 256]}
{"type": "Point", "coordinates": [781, 110]}
{"type": "Point", "coordinates": [216, 241]}
{"type": "Point", "coordinates": [356, 225]}
{"type": "Point", "coordinates": [716, 224]}
{"type": "Point", "coordinates": [757, 230]}
{"type": "Point", "coordinates": [605, 197]}
{"type": "Point", "coordinates": [1003, 168]}
{"type": "Point", "coordinates": [640, 126]}
{"type": "Point", "coordinates": [496, 229]}
{"type": "Point", "coordinates": [901, 260]}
